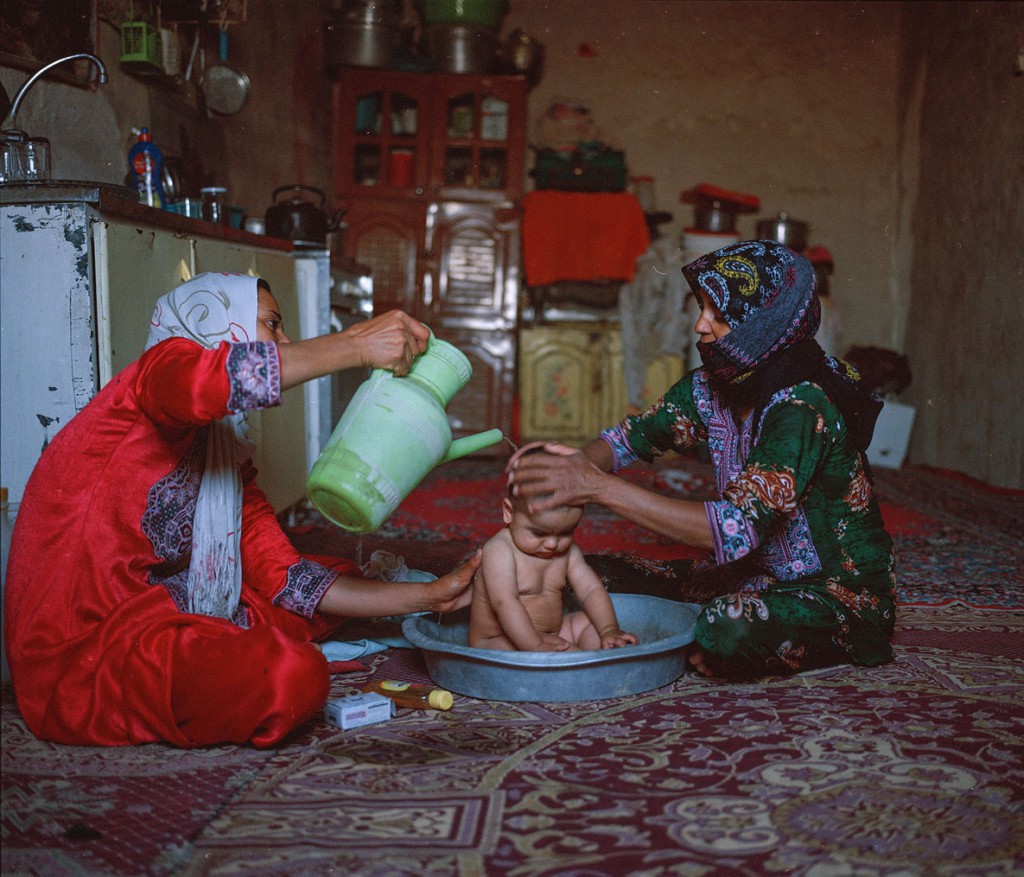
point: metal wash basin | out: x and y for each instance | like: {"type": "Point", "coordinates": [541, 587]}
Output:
{"type": "Point", "coordinates": [665, 629]}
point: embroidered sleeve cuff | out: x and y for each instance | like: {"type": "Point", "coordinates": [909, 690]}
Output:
{"type": "Point", "coordinates": [623, 454]}
{"type": "Point", "coordinates": [254, 371]}
{"type": "Point", "coordinates": [731, 533]}
{"type": "Point", "coordinates": [306, 585]}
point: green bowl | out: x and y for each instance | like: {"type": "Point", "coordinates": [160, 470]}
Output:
{"type": "Point", "coordinates": [479, 13]}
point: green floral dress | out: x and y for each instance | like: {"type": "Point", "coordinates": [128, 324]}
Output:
{"type": "Point", "coordinates": [797, 532]}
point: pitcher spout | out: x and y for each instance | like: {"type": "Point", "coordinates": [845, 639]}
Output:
{"type": "Point", "coordinates": [470, 444]}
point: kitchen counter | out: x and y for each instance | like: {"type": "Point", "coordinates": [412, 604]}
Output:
{"type": "Point", "coordinates": [83, 264]}
{"type": "Point", "coordinates": [120, 202]}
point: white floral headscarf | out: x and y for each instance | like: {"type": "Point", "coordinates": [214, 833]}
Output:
{"type": "Point", "coordinates": [211, 309]}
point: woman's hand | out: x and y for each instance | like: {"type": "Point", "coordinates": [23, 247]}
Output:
{"type": "Point", "coordinates": [391, 341]}
{"type": "Point", "coordinates": [452, 591]}
{"type": "Point", "coordinates": [567, 476]}
{"type": "Point", "coordinates": [561, 476]}
{"type": "Point", "coordinates": [551, 448]}
{"type": "Point", "coordinates": [353, 597]}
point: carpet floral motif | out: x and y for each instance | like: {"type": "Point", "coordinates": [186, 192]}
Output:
{"type": "Point", "coordinates": [910, 768]}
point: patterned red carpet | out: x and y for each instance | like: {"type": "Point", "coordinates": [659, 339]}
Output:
{"type": "Point", "coordinates": [913, 768]}
{"type": "Point", "coordinates": [957, 540]}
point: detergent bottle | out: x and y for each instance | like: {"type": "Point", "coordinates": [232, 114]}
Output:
{"type": "Point", "coordinates": [146, 162]}
{"type": "Point", "coordinates": [415, 695]}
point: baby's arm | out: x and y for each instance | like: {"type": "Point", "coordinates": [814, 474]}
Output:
{"type": "Point", "coordinates": [596, 602]}
{"type": "Point", "coordinates": [502, 589]}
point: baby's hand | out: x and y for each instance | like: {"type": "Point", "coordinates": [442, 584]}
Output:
{"type": "Point", "coordinates": [615, 638]}
{"type": "Point", "coordinates": [552, 642]}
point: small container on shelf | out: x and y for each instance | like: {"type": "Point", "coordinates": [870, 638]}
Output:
{"type": "Point", "coordinates": [215, 204]}
{"type": "Point", "coordinates": [401, 168]}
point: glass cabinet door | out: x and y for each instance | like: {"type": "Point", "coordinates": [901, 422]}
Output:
{"type": "Point", "coordinates": [476, 147]}
{"type": "Point", "coordinates": [384, 139]}
{"type": "Point", "coordinates": [435, 135]}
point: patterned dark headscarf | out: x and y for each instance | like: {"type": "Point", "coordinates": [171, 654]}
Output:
{"type": "Point", "coordinates": [765, 292]}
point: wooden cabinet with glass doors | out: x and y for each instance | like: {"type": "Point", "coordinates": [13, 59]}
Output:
{"type": "Point", "coordinates": [429, 169]}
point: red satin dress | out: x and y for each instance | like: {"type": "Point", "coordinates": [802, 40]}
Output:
{"type": "Point", "coordinates": [99, 650]}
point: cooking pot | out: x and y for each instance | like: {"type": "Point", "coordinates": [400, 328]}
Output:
{"type": "Point", "coordinates": [298, 219]}
{"type": "Point", "coordinates": [784, 230]}
{"type": "Point", "coordinates": [457, 48]}
{"type": "Point", "coordinates": [714, 216]}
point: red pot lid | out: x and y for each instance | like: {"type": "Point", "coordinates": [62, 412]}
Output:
{"type": "Point", "coordinates": [705, 193]}
{"type": "Point", "coordinates": [818, 255]}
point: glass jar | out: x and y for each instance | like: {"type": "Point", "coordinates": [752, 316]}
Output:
{"type": "Point", "coordinates": [215, 204]}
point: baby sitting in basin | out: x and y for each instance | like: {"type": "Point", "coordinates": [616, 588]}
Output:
{"type": "Point", "coordinates": [517, 592]}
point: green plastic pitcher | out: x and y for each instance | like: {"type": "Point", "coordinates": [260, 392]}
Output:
{"type": "Point", "coordinates": [391, 435]}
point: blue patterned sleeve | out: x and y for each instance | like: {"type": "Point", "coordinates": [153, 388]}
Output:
{"type": "Point", "coordinates": [617, 439]}
{"type": "Point", "coordinates": [732, 534]}
{"type": "Point", "coordinates": [673, 423]}
{"type": "Point", "coordinates": [306, 584]}
{"type": "Point", "coordinates": [254, 372]}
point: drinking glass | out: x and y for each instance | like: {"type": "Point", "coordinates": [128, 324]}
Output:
{"type": "Point", "coordinates": [36, 159]}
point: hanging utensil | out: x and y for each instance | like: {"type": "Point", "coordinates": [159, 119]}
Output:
{"type": "Point", "coordinates": [225, 88]}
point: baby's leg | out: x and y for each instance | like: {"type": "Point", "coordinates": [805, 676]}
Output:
{"type": "Point", "coordinates": [499, 642]}
{"type": "Point", "coordinates": [577, 629]}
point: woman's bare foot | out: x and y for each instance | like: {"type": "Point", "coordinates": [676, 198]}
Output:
{"type": "Point", "coordinates": [700, 663]}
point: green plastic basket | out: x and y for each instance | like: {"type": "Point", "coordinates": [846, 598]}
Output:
{"type": "Point", "coordinates": [140, 48]}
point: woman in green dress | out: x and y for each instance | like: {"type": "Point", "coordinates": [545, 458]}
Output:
{"type": "Point", "coordinates": [803, 567]}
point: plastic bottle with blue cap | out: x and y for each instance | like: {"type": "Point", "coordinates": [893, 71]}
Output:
{"type": "Point", "coordinates": [146, 162]}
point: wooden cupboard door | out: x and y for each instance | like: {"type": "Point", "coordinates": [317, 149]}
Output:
{"type": "Point", "coordinates": [445, 136]}
{"type": "Point", "coordinates": [562, 383]}
{"type": "Point", "coordinates": [387, 235]}
{"type": "Point", "coordinates": [572, 384]}
{"type": "Point", "coordinates": [381, 143]}
{"type": "Point", "coordinates": [486, 402]}
{"type": "Point", "coordinates": [661, 374]}
{"type": "Point", "coordinates": [477, 138]}
{"type": "Point", "coordinates": [472, 266]}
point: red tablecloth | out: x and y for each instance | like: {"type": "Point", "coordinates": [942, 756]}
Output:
{"type": "Point", "coordinates": [582, 236]}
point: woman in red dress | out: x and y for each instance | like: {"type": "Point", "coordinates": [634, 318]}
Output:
{"type": "Point", "coordinates": [151, 593]}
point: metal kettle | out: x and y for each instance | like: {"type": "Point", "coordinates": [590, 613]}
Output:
{"type": "Point", "coordinates": [298, 219]}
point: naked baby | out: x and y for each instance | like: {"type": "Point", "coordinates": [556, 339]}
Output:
{"type": "Point", "coordinates": [518, 589]}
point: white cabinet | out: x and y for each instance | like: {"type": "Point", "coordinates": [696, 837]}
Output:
{"type": "Point", "coordinates": [78, 283]}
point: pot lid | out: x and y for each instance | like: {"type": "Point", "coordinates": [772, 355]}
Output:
{"type": "Point", "coordinates": [818, 255]}
{"type": "Point", "coordinates": [707, 194]}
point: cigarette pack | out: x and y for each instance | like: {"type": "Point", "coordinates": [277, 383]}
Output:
{"type": "Point", "coordinates": [358, 710]}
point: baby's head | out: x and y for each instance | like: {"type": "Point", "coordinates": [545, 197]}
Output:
{"type": "Point", "coordinates": [543, 534]}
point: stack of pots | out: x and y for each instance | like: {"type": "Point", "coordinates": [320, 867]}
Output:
{"type": "Point", "coordinates": [462, 36]}
{"type": "Point", "coordinates": [363, 33]}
